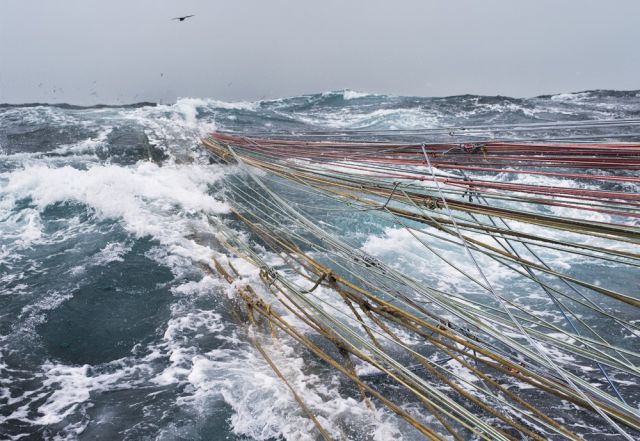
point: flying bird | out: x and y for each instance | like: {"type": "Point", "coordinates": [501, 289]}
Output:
{"type": "Point", "coordinates": [183, 18]}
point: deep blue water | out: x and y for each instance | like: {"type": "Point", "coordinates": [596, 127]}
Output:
{"type": "Point", "coordinates": [109, 328]}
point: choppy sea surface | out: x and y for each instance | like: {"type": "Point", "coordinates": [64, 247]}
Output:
{"type": "Point", "coordinates": [109, 327]}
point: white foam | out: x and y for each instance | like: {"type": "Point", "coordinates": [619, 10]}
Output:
{"type": "Point", "coordinates": [180, 328]}
{"type": "Point", "coordinates": [112, 252]}
{"type": "Point", "coordinates": [347, 118]}
{"type": "Point", "coordinates": [182, 103]}
{"type": "Point", "coordinates": [349, 94]}
{"type": "Point", "coordinates": [184, 115]}
{"type": "Point", "coordinates": [130, 194]}
{"type": "Point", "coordinates": [89, 145]}
{"type": "Point", "coordinates": [23, 228]}
{"type": "Point", "coordinates": [571, 97]}
{"type": "Point", "coordinates": [400, 249]}
{"type": "Point", "coordinates": [66, 388]}
{"type": "Point", "coordinates": [263, 406]}
{"type": "Point", "coordinates": [71, 386]}
{"type": "Point", "coordinates": [175, 128]}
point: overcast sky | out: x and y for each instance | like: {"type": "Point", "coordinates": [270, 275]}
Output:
{"type": "Point", "coordinates": [117, 51]}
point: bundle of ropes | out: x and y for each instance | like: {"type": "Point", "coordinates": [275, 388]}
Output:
{"type": "Point", "coordinates": [480, 359]}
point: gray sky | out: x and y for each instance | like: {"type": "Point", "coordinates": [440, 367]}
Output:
{"type": "Point", "coordinates": [88, 51]}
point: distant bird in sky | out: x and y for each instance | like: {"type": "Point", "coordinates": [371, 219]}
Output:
{"type": "Point", "coordinates": [183, 18]}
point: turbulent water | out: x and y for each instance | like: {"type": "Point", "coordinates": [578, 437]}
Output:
{"type": "Point", "coordinates": [109, 328]}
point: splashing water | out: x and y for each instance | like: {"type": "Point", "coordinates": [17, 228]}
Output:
{"type": "Point", "coordinates": [110, 328]}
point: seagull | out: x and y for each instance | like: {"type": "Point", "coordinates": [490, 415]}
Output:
{"type": "Point", "coordinates": [182, 18]}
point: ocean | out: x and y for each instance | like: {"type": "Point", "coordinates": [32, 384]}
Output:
{"type": "Point", "coordinates": [109, 326]}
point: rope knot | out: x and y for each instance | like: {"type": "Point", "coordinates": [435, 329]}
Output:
{"type": "Point", "coordinates": [268, 273]}
{"type": "Point", "coordinates": [368, 260]}
{"type": "Point", "coordinates": [473, 147]}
